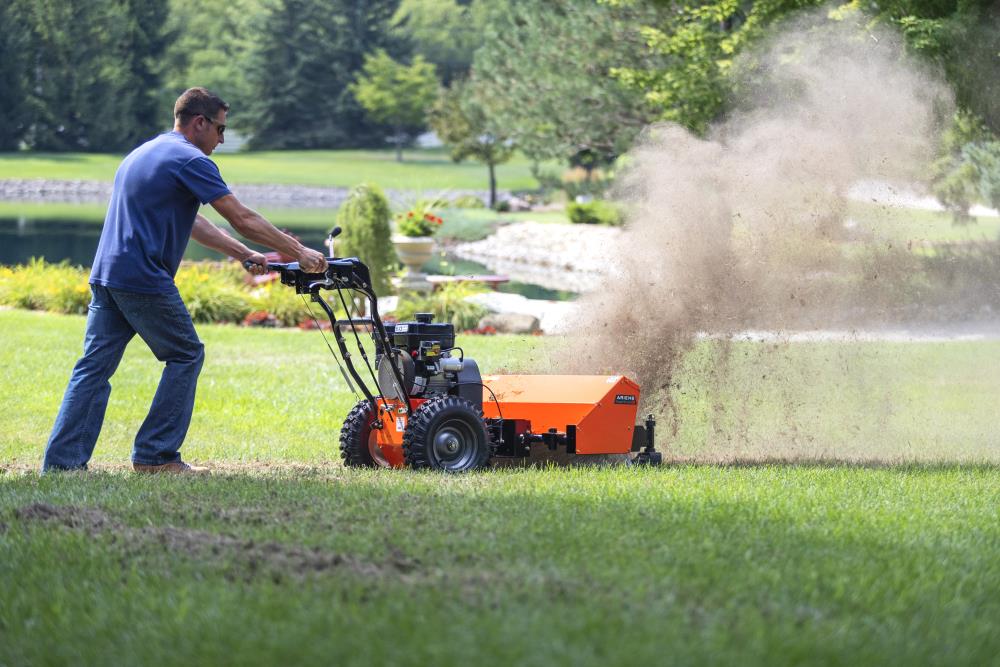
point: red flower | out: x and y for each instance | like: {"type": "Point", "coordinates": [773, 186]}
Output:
{"type": "Point", "coordinates": [410, 214]}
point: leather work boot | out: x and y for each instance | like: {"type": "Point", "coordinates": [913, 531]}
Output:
{"type": "Point", "coordinates": [176, 467]}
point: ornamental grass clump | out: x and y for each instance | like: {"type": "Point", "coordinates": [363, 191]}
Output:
{"type": "Point", "coordinates": [449, 303]}
{"type": "Point", "coordinates": [281, 303]}
{"type": "Point", "coordinates": [214, 292]}
{"type": "Point", "coordinates": [41, 285]}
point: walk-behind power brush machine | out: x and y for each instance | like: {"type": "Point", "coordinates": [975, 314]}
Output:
{"type": "Point", "coordinates": [431, 408]}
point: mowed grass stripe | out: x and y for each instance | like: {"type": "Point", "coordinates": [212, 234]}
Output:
{"type": "Point", "coordinates": [747, 565]}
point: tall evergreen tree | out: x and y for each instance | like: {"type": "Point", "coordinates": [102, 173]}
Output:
{"type": "Point", "coordinates": [210, 49]}
{"type": "Point", "coordinates": [445, 32]}
{"type": "Point", "coordinates": [15, 110]}
{"type": "Point", "coordinates": [307, 54]}
{"type": "Point", "coordinates": [93, 72]}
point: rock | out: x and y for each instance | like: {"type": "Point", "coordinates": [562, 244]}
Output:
{"type": "Point", "coordinates": [554, 316]}
{"type": "Point", "coordinates": [514, 323]}
{"type": "Point", "coordinates": [576, 258]}
{"type": "Point", "coordinates": [517, 204]}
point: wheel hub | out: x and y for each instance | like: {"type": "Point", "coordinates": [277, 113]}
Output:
{"type": "Point", "coordinates": [452, 445]}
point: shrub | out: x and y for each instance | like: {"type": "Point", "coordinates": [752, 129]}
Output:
{"type": "Point", "coordinates": [40, 285]}
{"type": "Point", "coordinates": [213, 292]}
{"type": "Point", "coordinates": [364, 218]}
{"type": "Point", "coordinates": [281, 302]}
{"type": "Point", "coordinates": [597, 212]}
{"type": "Point", "coordinates": [578, 181]}
{"type": "Point", "coordinates": [467, 201]}
{"type": "Point", "coordinates": [448, 303]}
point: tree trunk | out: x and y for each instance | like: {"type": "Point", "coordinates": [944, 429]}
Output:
{"type": "Point", "coordinates": [399, 144]}
{"type": "Point", "coordinates": [493, 185]}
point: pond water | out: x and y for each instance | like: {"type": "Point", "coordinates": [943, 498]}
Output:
{"type": "Point", "coordinates": [56, 240]}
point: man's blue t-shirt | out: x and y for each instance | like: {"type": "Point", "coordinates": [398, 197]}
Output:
{"type": "Point", "coordinates": [158, 189]}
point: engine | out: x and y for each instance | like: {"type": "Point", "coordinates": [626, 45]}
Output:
{"type": "Point", "coordinates": [423, 352]}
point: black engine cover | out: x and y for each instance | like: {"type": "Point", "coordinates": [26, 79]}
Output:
{"type": "Point", "coordinates": [409, 335]}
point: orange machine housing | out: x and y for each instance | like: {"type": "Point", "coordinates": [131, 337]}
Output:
{"type": "Point", "coordinates": [390, 436]}
{"type": "Point", "coordinates": [601, 407]}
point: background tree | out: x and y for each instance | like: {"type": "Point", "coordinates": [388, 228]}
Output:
{"type": "Point", "coordinates": [93, 73]}
{"type": "Point", "coordinates": [692, 82]}
{"type": "Point", "coordinates": [465, 127]}
{"type": "Point", "coordinates": [15, 111]}
{"type": "Point", "coordinates": [445, 32]}
{"type": "Point", "coordinates": [210, 49]}
{"type": "Point", "coordinates": [544, 75]}
{"type": "Point", "coordinates": [397, 94]}
{"type": "Point", "coordinates": [305, 55]}
{"type": "Point", "coordinates": [698, 41]}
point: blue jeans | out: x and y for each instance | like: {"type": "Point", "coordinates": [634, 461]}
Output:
{"type": "Point", "coordinates": [114, 317]}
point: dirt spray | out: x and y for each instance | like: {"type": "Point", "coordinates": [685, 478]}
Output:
{"type": "Point", "coordinates": [744, 230]}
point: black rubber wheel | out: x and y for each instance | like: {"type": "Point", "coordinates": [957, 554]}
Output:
{"type": "Point", "coordinates": [358, 445]}
{"type": "Point", "coordinates": [447, 433]}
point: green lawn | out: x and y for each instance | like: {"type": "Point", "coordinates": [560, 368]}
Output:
{"type": "Point", "coordinates": [758, 565]}
{"type": "Point", "coordinates": [901, 225]}
{"type": "Point", "coordinates": [285, 557]}
{"type": "Point", "coordinates": [420, 169]}
{"type": "Point", "coordinates": [846, 401]}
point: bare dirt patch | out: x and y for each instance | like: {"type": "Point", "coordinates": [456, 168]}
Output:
{"type": "Point", "coordinates": [242, 558]}
{"type": "Point", "coordinates": [89, 519]}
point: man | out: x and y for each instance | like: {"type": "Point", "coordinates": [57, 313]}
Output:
{"type": "Point", "coordinates": [152, 214]}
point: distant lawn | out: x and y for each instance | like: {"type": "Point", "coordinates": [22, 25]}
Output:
{"type": "Point", "coordinates": [421, 170]}
{"type": "Point", "coordinates": [902, 225]}
{"type": "Point", "coordinates": [930, 401]}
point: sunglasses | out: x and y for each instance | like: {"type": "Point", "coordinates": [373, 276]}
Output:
{"type": "Point", "coordinates": [221, 128]}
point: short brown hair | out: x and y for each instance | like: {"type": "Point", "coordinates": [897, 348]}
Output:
{"type": "Point", "coordinates": [198, 102]}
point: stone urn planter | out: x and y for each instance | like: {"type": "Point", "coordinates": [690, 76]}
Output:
{"type": "Point", "coordinates": [414, 252]}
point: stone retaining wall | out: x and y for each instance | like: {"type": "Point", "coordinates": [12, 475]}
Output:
{"type": "Point", "coordinates": [292, 196]}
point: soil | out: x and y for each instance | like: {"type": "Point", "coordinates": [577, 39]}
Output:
{"type": "Point", "coordinates": [244, 559]}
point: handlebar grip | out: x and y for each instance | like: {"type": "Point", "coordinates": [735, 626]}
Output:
{"type": "Point", "coordinates": [271, 266]}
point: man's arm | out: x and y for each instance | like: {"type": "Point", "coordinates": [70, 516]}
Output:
{"type": "Point", "coordinates": [252, 225]}
{"type": "Point", "coordinates": [216, 238]}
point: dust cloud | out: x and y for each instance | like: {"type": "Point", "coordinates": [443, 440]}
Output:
{"type": "Point", "coordinates": [745, 230]}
